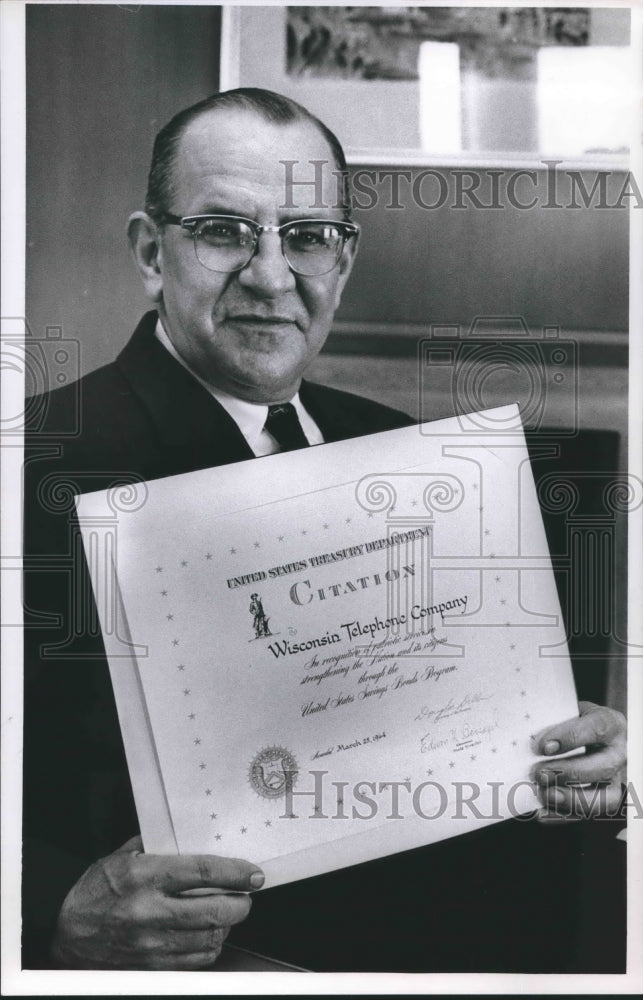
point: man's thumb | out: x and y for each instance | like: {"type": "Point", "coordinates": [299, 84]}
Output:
{"type": "Point", "coordinates": [132, 846]}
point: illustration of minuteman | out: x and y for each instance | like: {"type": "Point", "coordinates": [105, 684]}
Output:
{"type": "Point", "coordinates": [260, 622]}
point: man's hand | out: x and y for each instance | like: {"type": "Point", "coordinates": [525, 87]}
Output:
{"type": "Point", "coordinates": [128, 910]}
{"type": "Point", "coordinates": [588, 784]}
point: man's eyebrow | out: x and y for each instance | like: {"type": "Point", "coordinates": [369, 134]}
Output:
{"type": "Point", "coordinates": [221, 210]}
{"type": "Point", "coordinates": [284, 216]}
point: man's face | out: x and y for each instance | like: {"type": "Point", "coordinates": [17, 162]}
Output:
{"type": "Point", "coordinates": [255, 331]}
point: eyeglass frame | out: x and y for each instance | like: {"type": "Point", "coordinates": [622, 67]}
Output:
{"type": "Point", "coordinates": [348, 231]}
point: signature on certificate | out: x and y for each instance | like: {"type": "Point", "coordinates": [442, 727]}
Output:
{"type": "Point", "coordinates": [462, 737]}
{"type": "Point", "coordinates": [453, 707]}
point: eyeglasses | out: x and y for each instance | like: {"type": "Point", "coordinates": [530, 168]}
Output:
{"type": "Point", "coordinates": [227, 243]}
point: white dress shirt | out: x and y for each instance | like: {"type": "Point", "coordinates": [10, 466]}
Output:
{"type": "Point", "coordinates": [250, 418]}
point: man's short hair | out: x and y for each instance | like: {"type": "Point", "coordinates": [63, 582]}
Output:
{"type": "Point", "coordinates": [270, 106]}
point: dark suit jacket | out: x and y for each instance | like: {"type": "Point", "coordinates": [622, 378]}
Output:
{"type": "Point", "coordinates": [464, 905]}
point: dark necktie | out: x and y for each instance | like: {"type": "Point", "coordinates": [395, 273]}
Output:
{"type": "Point", "coordinates": [283, 424]}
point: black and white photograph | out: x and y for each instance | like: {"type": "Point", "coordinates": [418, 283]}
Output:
{"type": "Point", "coordinates": [322, 338]}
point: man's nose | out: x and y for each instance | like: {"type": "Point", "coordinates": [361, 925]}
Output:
{"type": "Point", "coordinates": [268, 273]}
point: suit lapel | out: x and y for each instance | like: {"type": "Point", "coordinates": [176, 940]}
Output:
{"type": "Point", "coordinates": [329, 410]}
{"type": "Point", "coordinates": [192, 427]}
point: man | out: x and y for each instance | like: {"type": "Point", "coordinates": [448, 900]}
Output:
{"type": "Point", "coordinates": [245, 277]}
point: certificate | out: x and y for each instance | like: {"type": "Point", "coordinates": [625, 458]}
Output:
{"type": "Point", "coordinates": [329, 655]}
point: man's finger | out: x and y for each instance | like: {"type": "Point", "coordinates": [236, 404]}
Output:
{"type": "Point", "coordinates": [202, 942]}
{"type": "Point", "coordinates": [603, 765]}
{"type": "Point", "coordinates": [580, 803]}
{"type": "Point", "coordinates": [192, 963]}
{"type": "Point", "coordinates": [178, 942]}
{"type": "Point", "coordinates": [171, 962]}
{"type": "Point", "coordinates": [177, 873]}
{"type": "Point", "coordinates": [203, 915]}
{"type": "Point", "coordinates": [132, 846]}
{"type": "Point", "coordinates": [596, 725]}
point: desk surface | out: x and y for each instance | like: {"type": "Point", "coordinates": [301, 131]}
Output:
{"type": "Point", "coordinates": [233, 959]}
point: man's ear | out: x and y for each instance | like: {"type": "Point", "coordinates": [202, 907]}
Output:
{"type": "Point", "coordinates": [143, 237]}
{"type": "Point", "coordinates": [346, 262]}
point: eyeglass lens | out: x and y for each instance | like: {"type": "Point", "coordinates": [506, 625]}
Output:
{"type": "Point", "coordinates": [310, 248]}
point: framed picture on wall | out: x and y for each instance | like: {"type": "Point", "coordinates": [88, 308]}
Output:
{"type": "Point", "coordinates": [445, 84]}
